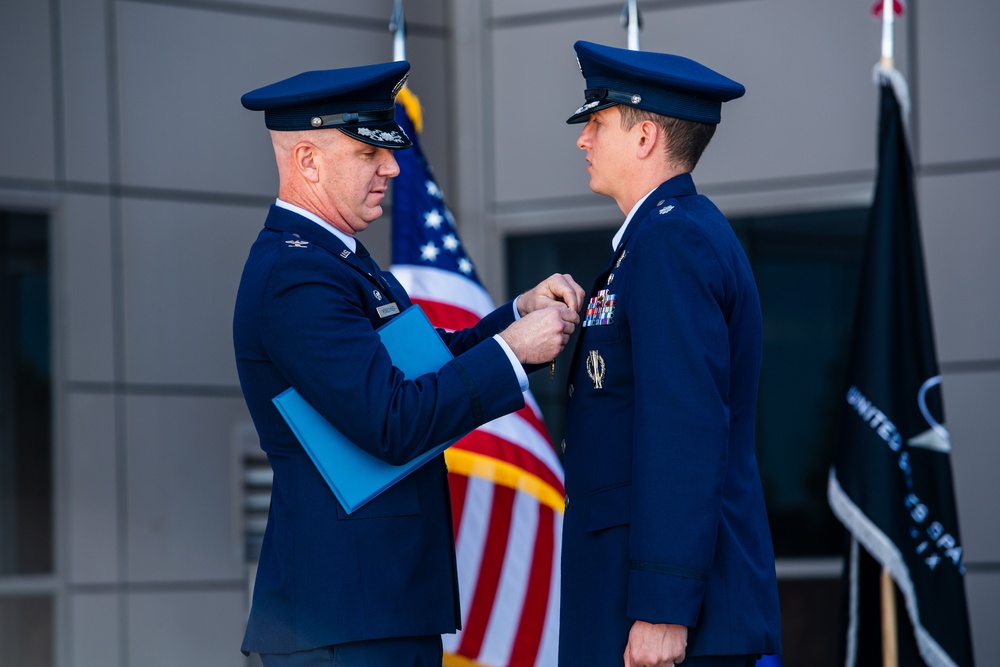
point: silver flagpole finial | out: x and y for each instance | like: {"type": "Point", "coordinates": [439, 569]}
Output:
{"type": "Point", "coordinates": [397, 26]}
{"type": "Point", "coordinates": [632, 20]}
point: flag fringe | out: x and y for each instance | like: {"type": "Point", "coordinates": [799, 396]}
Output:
{"type": "Point", "coordinates": [411, 103]}
{"type": "Point", "coordinates": [892, 76]}
{"type": "Point", "coordinates": [505, 474]}
{"type": "Point", "coordinates": [453, 660]}
{"type": "Point", "coordinates": [883, 550]}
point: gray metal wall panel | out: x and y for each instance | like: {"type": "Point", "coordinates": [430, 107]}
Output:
{"type": "Point", "coordinates": [961, 241]}
{"type": "Point", "coordinates": [425, 12]}
{"type": "Point", "coordinates": [91, 489]}
{"type": "Point", "coordinates": [27, 118]}
{"type": "Point", "coordinates": [86, 123]}
{"type": "Point", "coordinates": [536, 86]}
{"type": "Point", "coordinates": [970, 410]}
{"type": "Point", "coordinates": [182, 266]}
{"type": "Point", "coordinates": [983, 590]}
{"type": "Point", "coordinates": [810, 111]}
{"type": "Point", "coordinates": [84, 277]}
{"type": "Point", "coordinates": [186, 627]}
{"type": "Point", "coordinates": [958, 90]}
{"type": "Point", "coordinates": [183, 522]}
{"type": "Point", "coordinates": [96, 638]}
{"type": "Point", "coordinates": [183, 71]}
{"type": "Point", "coordinates": [970, 401]}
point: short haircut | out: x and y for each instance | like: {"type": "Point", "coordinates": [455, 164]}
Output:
{"type": "Point", "coordinates": [686, 140]}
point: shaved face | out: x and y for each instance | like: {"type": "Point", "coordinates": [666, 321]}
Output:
{"type": "Point", "coordinates": [341, 179]}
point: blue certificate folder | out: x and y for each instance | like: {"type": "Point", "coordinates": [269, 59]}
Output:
{"type": "Point", "coordinates": [354, 475]}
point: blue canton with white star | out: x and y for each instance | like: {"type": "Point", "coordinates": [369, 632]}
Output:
{"type": "Point", "coordinates": [424, 231]}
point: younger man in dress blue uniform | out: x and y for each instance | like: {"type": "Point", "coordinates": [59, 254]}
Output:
{"type": "Point", "coordinates": [666, 553]}
{"type": "Point", "coordinates": [377, 587]}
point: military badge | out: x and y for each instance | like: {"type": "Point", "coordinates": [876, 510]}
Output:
{"type": "Point", "coordinates": [600, 309]}
{"type": "Point", "coordinates": [596, 368]}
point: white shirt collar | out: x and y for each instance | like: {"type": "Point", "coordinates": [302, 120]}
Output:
{"type": "Point", "coordinates": [621, 230]}
{"type": "Point", "coordinates": [349, 241]}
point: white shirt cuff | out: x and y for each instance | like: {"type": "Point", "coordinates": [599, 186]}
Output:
{"type": "Point", "coordinates": [522, 377]}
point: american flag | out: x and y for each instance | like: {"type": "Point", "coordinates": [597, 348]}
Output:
{"type": "Point", "coordinates": [505, 477]}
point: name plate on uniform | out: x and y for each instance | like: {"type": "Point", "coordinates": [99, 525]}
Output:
{"type": "Point", "coordinates": [387, 310]}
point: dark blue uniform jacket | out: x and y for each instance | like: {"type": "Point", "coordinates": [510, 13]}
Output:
{"type": "Point", "coordinates": [665, 518]}
{"type": "Point", "coordinates": [306, 315]}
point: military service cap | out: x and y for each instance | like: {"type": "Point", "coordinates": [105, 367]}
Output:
{"type": "Point", "coordinates": [358, 101]}
{"type": "Point", "coordinates": [662, 83]}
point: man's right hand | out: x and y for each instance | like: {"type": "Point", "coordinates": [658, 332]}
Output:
{"type": "Point", "coordinates": [557, 289]}
{"type": "Point", "coordinates": [539, 336]}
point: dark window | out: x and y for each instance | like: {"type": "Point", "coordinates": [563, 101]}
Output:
{"type": "Point", "coordinates": [808, 270]}
{"type": "Point", "coordinates": [25, 397]}
{"type": "Point", "coordinates": [529, 260]}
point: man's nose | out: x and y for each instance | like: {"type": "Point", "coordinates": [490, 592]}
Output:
{"type": "Point", "coordinates": [390, 168]}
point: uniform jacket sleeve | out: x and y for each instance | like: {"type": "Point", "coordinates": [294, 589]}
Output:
{"type": "Point", "coordinates": [681, 439]}
{"type": "Point", "coordinates": [315, 327]}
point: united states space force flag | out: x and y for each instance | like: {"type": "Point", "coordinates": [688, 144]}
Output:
{"type": "Point", "coordinates": [505, 477]}
{"type": "Point", "coordinates": [891, 483]}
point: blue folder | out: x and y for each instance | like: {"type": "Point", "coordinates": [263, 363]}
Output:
{"type": "Point", "coordinates": [354, 475]}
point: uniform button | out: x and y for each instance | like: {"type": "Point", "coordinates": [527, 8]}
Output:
{"type": "Point", "coordinates": [567, 501]}
{"type": "Point", "coordinates": [562, 445]}
{"type": "Point", "coordinates": [571, 391]}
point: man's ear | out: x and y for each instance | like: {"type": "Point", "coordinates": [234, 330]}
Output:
{"type": "Point", "coordinates": [305, 160]}
{"type": "Point", "coordinates": [649, 132]}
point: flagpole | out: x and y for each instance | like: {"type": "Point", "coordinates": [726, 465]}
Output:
{"type": "Point", "coordinates": [890, 652]}
{"type": "Point", "coordinates": [630, 19]}
{"type": "Point", "coordinates": [888, 59]}
{"type": "Point", "coordinates": [397, 26]}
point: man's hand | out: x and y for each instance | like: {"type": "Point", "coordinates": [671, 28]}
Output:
{"type": "Point", "coordinates": [539, 336]}
{"type": "Point", "coordinates": [659, 645]}
{"type": "Point", "coordinates": [557, 289]}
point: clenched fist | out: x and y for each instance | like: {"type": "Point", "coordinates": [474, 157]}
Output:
{"type": "Point", "coordinates": [539, 336]}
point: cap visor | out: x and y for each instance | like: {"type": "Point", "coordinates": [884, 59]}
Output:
{"type": "Point", "coordinates": [386, 135]}
{"type": "Point", "coordinates": [583, 113]}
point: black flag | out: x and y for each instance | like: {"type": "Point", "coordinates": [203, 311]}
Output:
{"type": "Point", "coordinates": [891, 483]}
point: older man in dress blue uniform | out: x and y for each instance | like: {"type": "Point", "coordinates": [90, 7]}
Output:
{"type": "Point", "coordinates": [376, 587]}
{"type": "Point", "coordinates": [666, 556]}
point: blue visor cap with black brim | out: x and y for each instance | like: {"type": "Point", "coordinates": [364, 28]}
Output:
{"type": "Point", "coordinates": [358, 101]}
{"type": "Point", "coordinates": [662, 83]}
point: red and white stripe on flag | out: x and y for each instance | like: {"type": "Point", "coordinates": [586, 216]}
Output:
{"type": "Point", "coordinates": [507, 501]}
{"type": "Point", "coordinates": [898, 7]}
{"type": "Point", "coordinates": [506, 480]}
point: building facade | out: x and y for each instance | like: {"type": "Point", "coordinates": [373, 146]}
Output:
{"type": "Point", "coordinates": [132, 184]}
